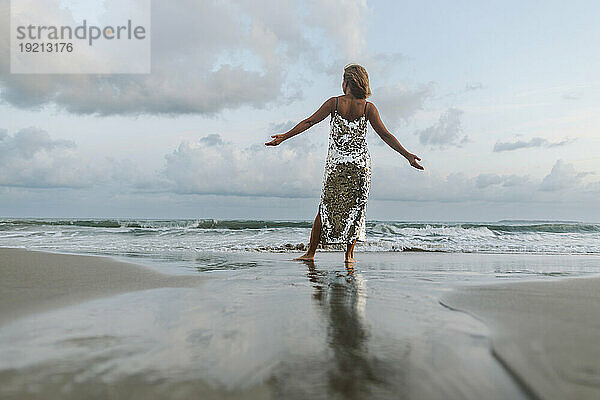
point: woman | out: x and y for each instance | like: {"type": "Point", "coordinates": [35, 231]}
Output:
{"type": "Point", "coordinates": [347, 178]}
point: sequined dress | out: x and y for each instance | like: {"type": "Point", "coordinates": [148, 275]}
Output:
{"type": "Point", "coordinates": [346, 181]}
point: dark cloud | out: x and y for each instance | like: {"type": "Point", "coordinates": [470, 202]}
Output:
{"type": "Point", "coordinates": [199, 59]}
{"type": "Point", "coordinates": [533, 142]}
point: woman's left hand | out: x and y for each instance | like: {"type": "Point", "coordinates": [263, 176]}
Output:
{"type": "Point", "coordinates": [278, 139]}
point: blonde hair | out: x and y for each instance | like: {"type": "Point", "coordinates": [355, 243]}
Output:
{"type": "Point", "coordinates": [358, 80]}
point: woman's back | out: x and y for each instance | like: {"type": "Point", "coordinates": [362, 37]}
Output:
{"type": "Point", "coordinates": [350, 109]}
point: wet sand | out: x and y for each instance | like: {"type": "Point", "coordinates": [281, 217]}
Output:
{"type": "Point", "coordinates": [35, 281]}
{"type": "Point", "coordinates": [254, 326]}
{"type": "Point", "coordinates": [546, 334]}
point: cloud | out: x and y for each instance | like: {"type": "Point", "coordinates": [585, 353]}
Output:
{"type": "Point", "coordinates": [563, 176]}
{"type": "Point", "coordinates": [211, 165]}
{"type": "Point", "coordinates": [533, 142]}
{"type": "Point", "coordinates": [257, 170]}
{"type": "Point", "coordinates": [187, 40]}
{"type": "Point", "coordinates": [281, 127]}
{"type": "Point", "coordinates": [404, 184]}
{"type": "Point", "coordinates": [469, 87]}
{"type": "Point", "coordinates": [445, 132]}
{"type": "Point", "coordinates": [29, 141]}
{"type": "Point", "coordinates": [486, 180]}
{"type": "Point", "coordinates": [562, 183]}
{"type": "Point", "coordinates": [398, 104]}
{"type": "Point", "coordinates": [379, 64]}
{"type": "Point", "coordinates": [206, 57]}
{"type": "Point", "coordinates": [575, 93]}
{"type": "Point", "coordinates": [571, 96]}
{"type": "Point", "coordinates": [31, 158]}
{"type": "Point", "coordinates": [212, 140]}
{"type": "Point", "coordinates": [383, 61]}
{"type": "Point", "coordinates": [294, 170]}
{"type": "Point", "coordinates": [332, 18]}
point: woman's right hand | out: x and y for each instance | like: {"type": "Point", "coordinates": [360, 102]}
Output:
{"type": "Point", "coordinates": [412, 159]}
{"type": "Point", "coordinates": [277, 140]}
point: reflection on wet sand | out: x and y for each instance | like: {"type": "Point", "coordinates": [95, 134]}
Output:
{"type": "Point", "coordinates": [351, 371]}
{"type": "Point", "coordinates": [264, 332]}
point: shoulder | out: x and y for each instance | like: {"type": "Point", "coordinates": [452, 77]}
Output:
{"type": "Point", "coordinates": [369, 107]}
{"type": "Point", "coordinates": [331, 103]}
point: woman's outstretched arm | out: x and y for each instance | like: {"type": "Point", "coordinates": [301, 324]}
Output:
{"type": "Point", "coordinates": [388, 138]}
{"type": "Point", "coordinates": [303, 125]}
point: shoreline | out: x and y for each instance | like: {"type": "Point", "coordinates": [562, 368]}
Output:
{"type": "Point", "coordinates": [544, 333]}
{"type": "Point", "coordinates": [289, 250]}
{"type": "Point", "coordinates": [35, 281]}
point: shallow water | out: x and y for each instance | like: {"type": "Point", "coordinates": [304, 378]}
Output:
{"type": "Point", "coordinates": [264, 326]}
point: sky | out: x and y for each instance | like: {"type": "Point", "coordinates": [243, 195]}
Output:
{"type": "Point", "coordinates": [498, 99]}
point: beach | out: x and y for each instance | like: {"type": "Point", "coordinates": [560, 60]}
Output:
{"type": "Point", "coordinates": [545, 333]}
{"type": "Point", "coordinates": [34, 281]}
{"type": "Point", "coordinates": [259, 325]}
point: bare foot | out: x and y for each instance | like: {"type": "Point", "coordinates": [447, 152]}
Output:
{"type": "Point", "coordinates": [305, 257]}
{"type": "Point", "coordinates": [350, 260]}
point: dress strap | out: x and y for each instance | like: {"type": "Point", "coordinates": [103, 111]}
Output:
{"type": "Point", "coordinates": [365, 110]}
{"type": "Point", "coordinates": [336, 100]}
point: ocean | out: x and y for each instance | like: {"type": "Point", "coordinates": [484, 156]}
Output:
{"type": "Point", "coordinates": [181, 245]}
{"type": "Point", "coordinates": [182, 238]}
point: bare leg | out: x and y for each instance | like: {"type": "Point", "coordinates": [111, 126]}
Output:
{"type": "Point", "coordinates": [350, 253]}
{"type": "Point", "coordinates": [315, 236]}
